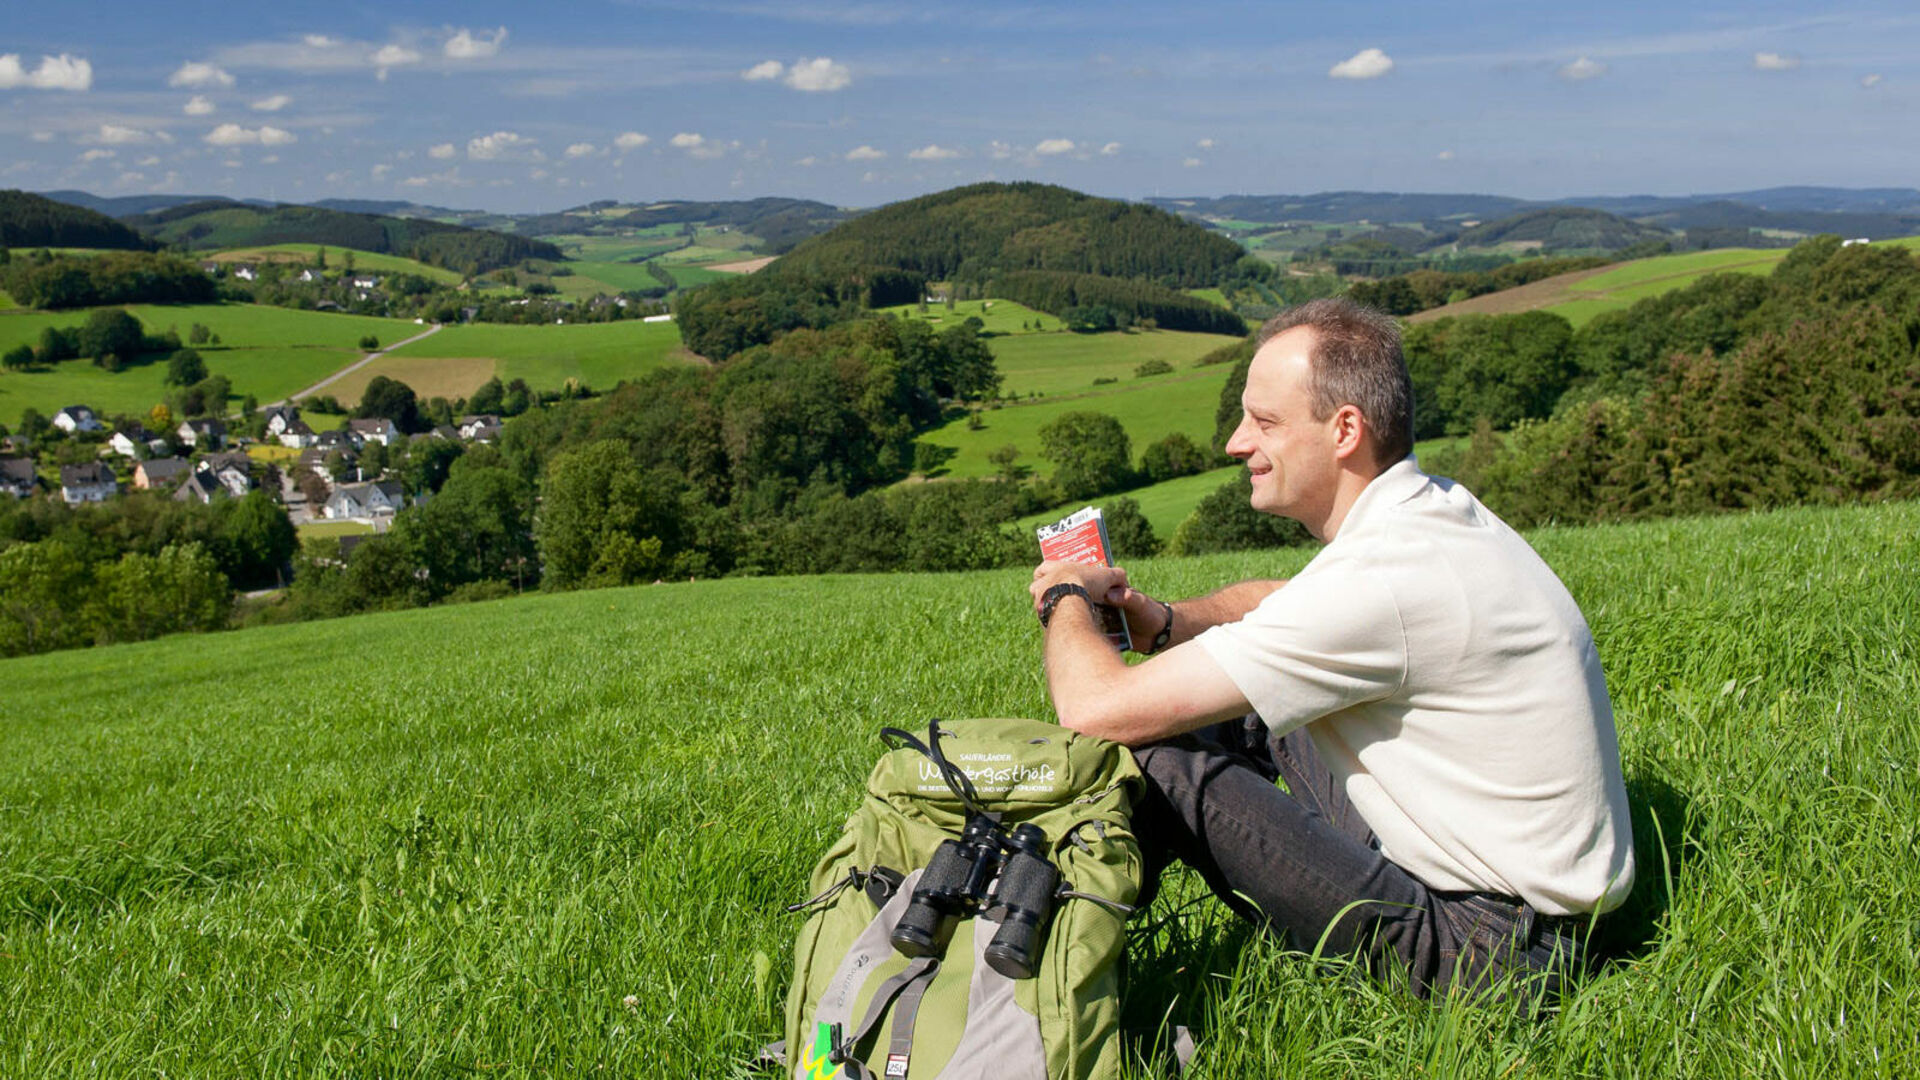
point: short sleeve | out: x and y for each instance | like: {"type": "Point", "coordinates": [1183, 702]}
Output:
{"type": "Point", "coordinates": [1322, 643]}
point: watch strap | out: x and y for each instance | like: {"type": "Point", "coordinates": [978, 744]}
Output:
{"type": "Point", "coordinates": [1052, 597]}
{"type": "Point", "coordinates": [1166, 631]}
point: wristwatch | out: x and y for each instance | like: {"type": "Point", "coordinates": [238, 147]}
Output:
{"type": "Point", "coordinates": [1166, 632]}
{"type": "Point", "coordinates": [1051, 598]}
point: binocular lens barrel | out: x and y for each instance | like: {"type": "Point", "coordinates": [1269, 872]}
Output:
{"type": "Point", "coordinates": [1025, 900]}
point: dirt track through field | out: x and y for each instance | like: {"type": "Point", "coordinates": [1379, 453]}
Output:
{"type": "Point", "coordinates": [744, 266]}
{"type": "Point", "coordinates": [1547, 292]}
{"type": "Point", "coordinates": [353, 367]}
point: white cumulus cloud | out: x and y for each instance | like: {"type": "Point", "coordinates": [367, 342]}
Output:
{"type": "Point", "coordinates": [148, 162]}
{"type": "Point", "coordinates": [580, 150]}
{"type": "Point", "coordinates": [235, 135]}
{"type": "Point", "coordinates": [119, 135]}
{"type": "Point", "coordinates": [272, 104]}
{"type": "Point", "coordinates": [933, 152]}
{"type": "Point", "coordinates": [807, 162]}
{"type": "Point", "coordinates": [392, 56]}
{"type": "Point", "coordinates": [630, 140]}
{"type": "Point", "coordinates": [441, 152]}
{"type": "Point", "coordinates": [818, 75]}
{"type": "Point", "coordinates": [864, 152]}
{"type": "Point", "coordinates": [999, 151]}
{"type": "Point", "coordinates": [689, 140]}
{"type": "Point", "coordinates": [1444, 155]}
{"type": "Point", "coordinates": [1365, 64]}
{"type": "Point", "coordinates": [97, 154]}
{"type": "Point", "coordinates": [197, 105]}
{"type": "Point", "coordinates": [1049, 147]}
{"type": "Point", "coordinates": [1191, 163]}
{"type": "Point", "coordinates": [764, 70]}
{"type": "Point", "coordinates": [320, 41]}
{"type": "Point", "coordinates": [1870, 80]}
{"type": "Point", "coordinates": [1773, 61]}
{"type": "Point", "coordinates": [465, 46]}
{"type": "Point", "coordinates": [61, 72]}
{"type": "Point", "coordinates": [1110, 149]}
{"type": "Point", "coordinates": [197, 74]}
{"type": "Point", "coordinates": [1205, 144]}
{"type": "Point", "coordinates": [1583, 69]}
{"type": "Point", "coordinates": [489, 147]}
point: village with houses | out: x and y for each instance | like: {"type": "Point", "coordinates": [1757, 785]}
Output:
{"type": "Point", "coordinates": [329, 477]}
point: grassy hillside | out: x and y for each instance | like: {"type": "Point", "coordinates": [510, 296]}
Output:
{"type": "Point", "coordinates": [1152, 409]}
{"type": "Point", "coordinates": [363, 261]}
{"type": "Point", "coordinates": [268, 352]}
{"type": "Point", "coordinates": [1067, 363]}
{"type": "Point", "coordinates": [600, 354]}
{"type": "Point", "coordinates": [530, 837]}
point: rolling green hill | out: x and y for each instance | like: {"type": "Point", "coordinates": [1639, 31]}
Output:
{"type": "Point", "coordinates": [1561, 228]}
{"type": "Point", "coordinates": [231, 225]}
{"type": "Point", "coordinates": [35, 221]}
{"type": "Point", "coordinates": [981, 230]}
{"type": "Point", "coordinates": [372, 262]}
{"type": "Point", "coordinates": [536, 837]}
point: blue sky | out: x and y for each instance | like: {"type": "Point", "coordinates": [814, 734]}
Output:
{"type": "Point", "coordinates": [527, 107]}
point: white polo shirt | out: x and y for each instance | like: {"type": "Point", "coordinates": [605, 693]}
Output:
{"type": "Point", "coordinates": [1452, 685]}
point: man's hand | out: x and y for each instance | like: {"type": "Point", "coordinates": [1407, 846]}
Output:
{"type": "Point", "coordinates": [1106, 584]}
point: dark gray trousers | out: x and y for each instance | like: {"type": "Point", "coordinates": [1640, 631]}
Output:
{"type": "Point", "coordinates": [1301, 861]}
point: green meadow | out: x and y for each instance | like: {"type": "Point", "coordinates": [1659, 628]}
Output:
{"type": "Point", "coordinates": [363, 261]}
{"type": "Point", "coordinates": [1062, 362]}
{"type": "Point", "coordinates": [997, 317]}
{"type": "Point", "coordinates": [1149, 411]}
{"type": "Point", "coordinates": [599, 354]}
{"type": "Point", "coordinates": [552, 835]}
{"type": "Point", "coordinates": [268, 352]}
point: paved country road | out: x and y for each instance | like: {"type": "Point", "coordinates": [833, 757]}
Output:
{"type": "Point", "coordinates": [351, 368]}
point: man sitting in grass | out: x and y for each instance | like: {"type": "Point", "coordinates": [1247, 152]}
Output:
{"type": "Point", "coordinates": [1407, 750]}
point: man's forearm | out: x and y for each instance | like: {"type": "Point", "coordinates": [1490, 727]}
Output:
{"type": "Point", "coordinates": [1224, 605]}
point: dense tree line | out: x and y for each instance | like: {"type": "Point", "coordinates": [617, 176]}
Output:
{"type": "Point", "coordinates": [35, 221]}
{"type": "Point", "coordinates": [723, 318]}
{"type": "Point", "coordinates": [1132, 301]}
{"type": "Point", "coordinates": [452, 247]}
{"type": "Point", "coordinates": [1420, 290]}
{"type": "Point", "coordinates": [1562, 228]}
{"type": "Point", "coordinates": [133, 567]}
{"type": "Point", "coordinates": [1805, 389]}
{"type": "Point", "coordinates": [977, 232]}
{"type": "Point", "coordinates": [44, 280]}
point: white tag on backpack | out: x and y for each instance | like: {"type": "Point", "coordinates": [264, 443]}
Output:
{"type": "Point", "coordinates": [896, 1064]}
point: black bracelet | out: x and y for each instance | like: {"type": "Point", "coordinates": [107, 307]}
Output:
{"type": "Point", "coordinates": [1166, 632]}
{"type": "Point", "coordinates": [1051, 598]}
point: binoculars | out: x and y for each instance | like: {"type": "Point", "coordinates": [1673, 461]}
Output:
{"type": "Point", "coordinates": [1006, 875]}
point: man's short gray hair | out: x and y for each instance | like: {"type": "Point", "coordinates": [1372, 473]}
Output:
{"type": "Point", "coordinates": [1356, 360]}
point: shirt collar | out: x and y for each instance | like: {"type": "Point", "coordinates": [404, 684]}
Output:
{"type": "Point", "coordinates": [1399, 482]}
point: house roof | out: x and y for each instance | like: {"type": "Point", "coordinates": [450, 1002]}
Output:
{"type": "Point", "coordinates": [165, 468]}
{"type": "Point", "coordinates": [91, 473]}
{"type": "Point", "coordinates": [17, 469]}
{"type": "Point", "coordinates": [76, 411]}
{"type": "Point", "coordinates": [198, 486]}
{"type": "Point", "coordinates": [378, 423]}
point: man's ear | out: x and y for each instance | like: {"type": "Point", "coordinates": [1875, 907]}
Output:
{"type": "Point", "coordinates": [1349, 432]}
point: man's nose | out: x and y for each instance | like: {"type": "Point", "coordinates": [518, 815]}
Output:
{"type": "Point", "coordinates": [1241, 444]}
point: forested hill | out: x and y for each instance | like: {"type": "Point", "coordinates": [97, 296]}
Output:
{"type": "Point", "coordinates": [455, 247]}
{"type": "Point", "coordinates": [1560, 228]}
{"type": "Point", "coordinates": [976, 232]}
{"type": "Point", "coordinates": [29, 220]}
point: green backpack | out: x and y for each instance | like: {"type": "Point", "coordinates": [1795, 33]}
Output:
{"type": "Point", "coordinates": [1001, 988]}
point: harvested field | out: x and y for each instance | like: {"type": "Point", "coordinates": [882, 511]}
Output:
{"type": "Point", "coordinates": [449, 377]}
{"type": "Point", "coordinates": [744, 266]}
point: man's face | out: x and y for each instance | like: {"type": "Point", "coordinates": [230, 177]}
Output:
{"type": "Point", "coordinates": [1289, 454]}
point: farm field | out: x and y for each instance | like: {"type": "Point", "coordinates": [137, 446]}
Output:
{"type": "Point", "coordinates": [999, 317]}
{"type": "Point", "coordinates": [1156, 407]}
{"type": "Point", "coordinates": [1063, 362]}
{"type": "Point", "coordinates": [268, 352]}
{"type": "Point", "coordinates": [537, 840]}
{"type": "Point", "coordinates": [599, 354]}
{"type": "Point", "coordinates": [363, 261]}
{"type": "Point", "coordinates": [1581, 295]}
{"type": "Point", "coordinates": [428, 376]}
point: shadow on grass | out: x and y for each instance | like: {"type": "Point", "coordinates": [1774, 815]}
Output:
{"type": "Point", "coordinates": [1662, 852]}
